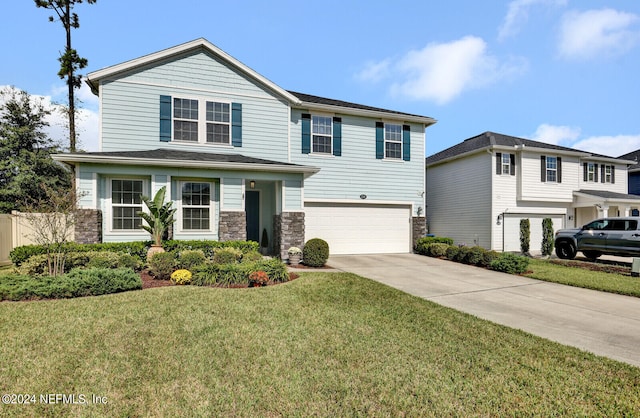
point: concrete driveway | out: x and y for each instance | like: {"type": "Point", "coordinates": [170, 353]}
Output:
{"type": "Point", "coordinates": [598, 322]}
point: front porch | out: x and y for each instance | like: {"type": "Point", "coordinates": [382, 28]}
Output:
{"type": "Point", "coordinates": [592, 204]}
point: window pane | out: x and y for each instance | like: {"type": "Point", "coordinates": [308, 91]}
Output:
{"type": "Point", "coordinates": [393, 132]}
{"type": "Point", "coordinates": [185, 131]}
{"type": "Point", "coordinates": [195, 218]}
{"type": "Point", "coordinates": [218, 112]}
{"type": "Point", "coordinates": [322, 125]}
{"type": "Point", "coordinates": [185, 109]}
{"type": "Point", "coordinates": [217, 134]}
{"type": "Point", "coordinates": [322, 144]}
{"type": "Point", "coordinates": [393, 150]}
{"type": "Point", "coordinates": [125, 217]}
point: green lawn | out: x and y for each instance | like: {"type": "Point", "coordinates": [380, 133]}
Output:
{"type": "Point", "coordinates": [325, 345]}
{"type": "Point", "coordinates": [579, 277]}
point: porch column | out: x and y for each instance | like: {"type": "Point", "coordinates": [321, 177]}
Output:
{"type": "Point", "coordinates": [626, 210]}
{"type": "Point", "coordinates": [603, 211]}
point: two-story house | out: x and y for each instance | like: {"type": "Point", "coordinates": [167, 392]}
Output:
{"type": "Point", "coordinates": [480, 189]}
{"type": "Point", "coordinates": [242, 158]}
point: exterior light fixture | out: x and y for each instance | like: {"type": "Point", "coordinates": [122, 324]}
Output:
{"type": "Point", "coordinates": [252, 184]}
{"type": "Point", "coordinates": [499, 220]}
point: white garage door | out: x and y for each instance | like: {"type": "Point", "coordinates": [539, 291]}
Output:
{"type": "Point", "coordinates": [359, 228]}
{"type": "Point", "coordinates": [512, 230]}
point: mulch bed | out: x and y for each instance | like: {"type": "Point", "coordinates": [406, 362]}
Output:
{"type": "Point", "coordinates": [148, 282]}
{"type": "Point", "coordinates": [601, 265]}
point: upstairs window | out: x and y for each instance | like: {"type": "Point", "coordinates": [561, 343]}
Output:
{"type": "Point", "coordinates": [218, 123]}
{"type": "Point", "coordinates": [322, 134]}
{"type": "Point", "coordinates": [591, 172]}
{"type": "Point", "coordinates": [392, 141]}
{"type": "Point", "coordinates": [505, 163]}
{"type": "Point", "coordinates": [185, 120]}
{"type": "Point", "coordinates": [550, 169]}
{"type": "Point", "coordinates": [607, 176]}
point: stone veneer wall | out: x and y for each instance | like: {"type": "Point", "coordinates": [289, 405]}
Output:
{"type": "Point", "coordinates": [288, 231]}
{"type": "Point", "coordinates": [233, 226]}
{"type": "Point", "coordinates": [88, 226]}
{"type": "Point", "coordinates": [419, 224]}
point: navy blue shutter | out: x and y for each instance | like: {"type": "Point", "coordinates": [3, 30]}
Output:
{"type": "Point", "coordinates": [379, 140]}
{"type": "Point", "coordinates": [559, 170]}
{"type": "Point", "coordinates": [498, 163]}
{"type": "Point", "coordinates": [306, 133]}
{"type": "Point", "coordinates": [406, 142]}
{"type": "Point", "coordinates": [512, 164]}
{"type": "Point", "coordinates": [236, 124]}
{"type": "Point", "coordinates": [584, 172]}
{"type": "Point", "coordinates": [595, 173]}
{"type": "Point", "coordinates": [613, 174]}
{"type": "Point", "coordinates": [543, 168]}
{"type": "Point", "coordinates": [602, 173]}
{"type": "Point", "coordinates": [165, 118]}
{"type": "Point", "coordinates": [337, 136]}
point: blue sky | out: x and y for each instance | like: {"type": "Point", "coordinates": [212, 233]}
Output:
{"type": "Point", "coordinates": [558, 71]}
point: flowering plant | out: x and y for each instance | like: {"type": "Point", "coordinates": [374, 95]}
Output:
{"type": "Point", "coordinates": [181, 276]}
{"type": "Point", "coordinates": [294, 250]}
{"type": "Point", "coordinates": [258, 277]}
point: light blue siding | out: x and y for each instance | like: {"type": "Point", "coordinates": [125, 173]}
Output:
{"type": "Point", "coordinates": [232, 194]}
{"type": "Point", "coordinates": [131, 107]}
{"type": "Point", "coordinates": [85, 188]}
{"type": "Point", "coordinates": [357, 171]}
{"type": "Point", "coordinates": [293, 195]}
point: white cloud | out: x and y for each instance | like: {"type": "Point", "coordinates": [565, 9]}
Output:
{"type": "Point", "coordinates": [518, 14]}
{"type": "Point", "coordinates": [87, 121]}
{"type": "Point", "coordinates": [555, 134]}
{"type": "Point", "coordinates": [613, 146]}
{"type": "Point", "coordinates": [442, 71]}
{"type": "Point", "coordinates": [594, 33]}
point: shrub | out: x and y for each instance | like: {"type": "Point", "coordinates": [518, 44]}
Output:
{"type": "Point", "coordinates": [423, 243]}
{"type": "Point", "coordinates": [101, 259]}
{"type": "Point", "coordinates": [474, 255]}
{"type": "Point", "coordinates": [228, 255]}
{"type": "Point", "coordinates": [525, 233]}
{"type": "Point", "coordinates": [547, 236]}
{"type": "Point", "coordinates": [188, 259]}
{"type": "Point", "coordinates": [258, 278]}
{"type": "Point", "coordinates": [162, 265]}
{"type": "Point", "coordinates": [461, 255]}
{"type": "Point", "coordinates": [79, 282]}
{"type": "Point", "coordinates": [437, 249]}
{"type": "Point", "coordinates": [510, 263]}
{"type": "Point", "coordinates": [238, 274]}
{"type": "Point", "coordinates": [488, 257]}
{"type": "Point", "coordinates": [452, 252]}
{"type": "Point", "coordinates": [251, 257]}
{"type": "Point", "coordinates": [208, 246]}
{"type": "Point", "coordinates": [315, 252]}
{"type": "Point", "coordinates": [275, 269]}
{"type": "Point", "coordinates": [181, 277]}
{"type": "Point", "coordinates": [136, 249]}
{"type": "Point", "coordinates": [130, 261]}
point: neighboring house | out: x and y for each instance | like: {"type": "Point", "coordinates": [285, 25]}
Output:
{"type": "Point", "coordinates": [243, 158]}
{"type": "Point", "coordinates": [634, 171]}
{"type": "Point", "coordinates": [480, 189]}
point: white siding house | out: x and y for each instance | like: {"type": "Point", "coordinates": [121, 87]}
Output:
{"type": "Point", "coordinates": [480, 189]}
{"type": "Point", "coordinates": [242, 158]}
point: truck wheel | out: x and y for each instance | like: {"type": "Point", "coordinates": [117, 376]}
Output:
{"type": "Point", "coordinates": [592, 255]}
{"type": "Point", "coordinates": [565, 250]}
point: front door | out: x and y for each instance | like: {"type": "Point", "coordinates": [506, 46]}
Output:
{"type": "Point", "coordinates": [252, 208]}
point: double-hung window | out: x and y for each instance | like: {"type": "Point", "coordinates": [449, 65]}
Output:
{"type": "Point", "coordinates": [126, 202]}
{"type": "Point", "coordinates": [392, 141]}
{"type": "Point", "coordinates": [552, 169]}
{"type": "Point", "coordinates": [196, 206]}
{"type": "Point", "coordinates": [321, 134]}
{"type": "Point", "coordinates": [591, 172]}
{"type": "Point", "coordinates": [218, 123]}
{"type": "Point", "coordinates": [608, 174]}
{"type": "Point", "coordinates": [506, 163]}
{"type": "Point", "coordinates": [185, 120]}
{"type": "Point", "coordinates": [202, 121]}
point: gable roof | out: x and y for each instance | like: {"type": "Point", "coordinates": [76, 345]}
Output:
{"type": "Point", "coordinates": [324, 103]}
{"type": "Point", "coordinates": [176, 158]}
{"type": "Point", "coordinates": [492, 140]}
{"type": "Point", "coordinates": [294, 99]}
{"type": "Point", "coordinates": [633, 156]}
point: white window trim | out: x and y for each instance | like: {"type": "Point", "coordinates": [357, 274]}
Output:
{"type": "Point", "coordinates": [607, 173]}
{"type": "Point", "coordinates": [323, 154]}
{"type": "Point", "coordinates": [109, 205]}
{"type": "Point", "coordinates": [505, 167]}
{"type": "Point", "coordinates": [202, 121]}
{"type": "Point", "coordinates": [180, 206]}
{"type": "Point", "coordinates": [547, 169]}
{"type": "Point", "coordinates": [591, 172]}
{"type": "Point", "coordinates": [401, 142]}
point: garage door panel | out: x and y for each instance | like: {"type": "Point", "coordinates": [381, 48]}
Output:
{"type": "Point", "coordinates": [512, 230]}
{"type": "Point", "coordinates": [359, 229]}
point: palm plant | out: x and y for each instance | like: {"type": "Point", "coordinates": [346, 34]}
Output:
{"type": "Point", "coordinates": [160, 215]}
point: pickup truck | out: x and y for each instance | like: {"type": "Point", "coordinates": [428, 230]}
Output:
{"type": "Point", "coordinates": [612, 236]}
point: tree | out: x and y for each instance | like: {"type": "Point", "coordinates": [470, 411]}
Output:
{"type": "Point", "coordinates": [25, 152]}
{"type": "Point", "coordinates": [70, 61]}
{"type": "Point", "coordinates": [547, 236]}
{"type": "Point", "coordinates": [160, 216]}
{"type": "Point", "coordinates": [525, 233]}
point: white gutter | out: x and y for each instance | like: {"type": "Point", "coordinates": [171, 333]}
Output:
{"type": "Point", "coordinates": [364, 112]}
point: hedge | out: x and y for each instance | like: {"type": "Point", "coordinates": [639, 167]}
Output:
{"type": "Point", "coordinates": [238, 274]}
{"type": "Point", "coordinates": [79, 282]}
